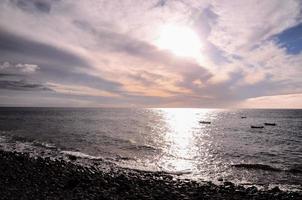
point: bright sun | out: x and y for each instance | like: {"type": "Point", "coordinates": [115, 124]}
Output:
{"type": "Point", "coordinates": [180, 40]}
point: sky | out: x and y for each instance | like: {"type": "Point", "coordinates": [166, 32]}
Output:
{"type": "Point", "coordinates": [151, 53]}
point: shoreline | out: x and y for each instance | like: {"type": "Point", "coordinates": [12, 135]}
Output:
{"type": "Point", "coordinates": [26, 177]}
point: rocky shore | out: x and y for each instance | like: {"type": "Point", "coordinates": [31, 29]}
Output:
{"type": "Point", "coordinates": [26, 177]}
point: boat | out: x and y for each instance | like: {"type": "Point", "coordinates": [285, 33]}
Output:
{"type": "Point", "coordinates": [257, 126]}
{"type": "Point", "coordinates": [243, 117]}
{"type": "Point", "coordinates": [204, 122]}
{"type": "Point", "coordinates": [270, 124]}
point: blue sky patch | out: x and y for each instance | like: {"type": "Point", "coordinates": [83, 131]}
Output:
{"type": "Point", "coordinates": [291, 39]}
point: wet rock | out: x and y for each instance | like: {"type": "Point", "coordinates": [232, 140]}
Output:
{"type": "Point", "coordinates": [228, 184]}
{"type": "Point", "coordinates": [71, 184]}
{"type": "Point", "coordinates": [252, 190]}
{"type": "Point", "coordinates": [295, 171]}
{"type": "Point", "coordinates": [72, 157]}
{"type": "Point", "coordinates": [275, 189]}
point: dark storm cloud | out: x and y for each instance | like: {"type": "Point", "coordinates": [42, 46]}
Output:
{"type": "Point", "coordinates": [42, 6]}
{"type": "Point", "coordinates": [22, 85]}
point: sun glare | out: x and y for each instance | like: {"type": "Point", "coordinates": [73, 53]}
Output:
{"type": "Point", "coordinates": [180, 40]}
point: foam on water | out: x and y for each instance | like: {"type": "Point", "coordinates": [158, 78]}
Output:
{"type": "Point", "coordinates": [81, 155]}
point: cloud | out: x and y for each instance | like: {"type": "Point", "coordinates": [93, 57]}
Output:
{"type": "Point", "coordinates": [244, 25]}
{"type": "Point", "coordinates": [22, 85]}
{"type": "Point", "coordinates": [13, 46]}
{"type": "Point", "coordinates": [79, 90]}
{"type": "Point", "coordinates": [54, 64]}
{"type": "Point", "coordinates": [277, 101]}
{"type": "Point", "coordinates": [23, 68]}
{"type": "Point", "coordinates": [27, 68]}
{"type": "Point", "coordinates": [43, 6]}
{"type": "Point", "coordinates": [15, 77]}
{"type": "Point", "coordinates": [135, 57]}
{"type": "Point", "coordinates": [244, 57]}
{"type": "Point", "coordinates": [105, 51]}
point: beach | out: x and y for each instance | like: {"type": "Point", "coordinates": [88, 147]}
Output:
{"type": "Point", "coordinates": [154, 99]}
{"type": "Point", "coordinates": [25, 177]}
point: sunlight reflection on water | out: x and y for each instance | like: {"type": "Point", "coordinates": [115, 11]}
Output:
{"type": "Point", "coordinates": [183, 139]}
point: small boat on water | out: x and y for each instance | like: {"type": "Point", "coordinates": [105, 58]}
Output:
{"type": "Point", "coordinates": [257, 126]}
{"type": "Point", "coordinates": [204, 122]}
{"type": "Point", "coordinates": [243, 117]}
{"type": "Point", "coordinates": [270, 124]}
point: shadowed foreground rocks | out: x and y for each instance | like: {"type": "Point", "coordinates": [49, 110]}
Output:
{"type": "Point", "coordinates": [25, 177]}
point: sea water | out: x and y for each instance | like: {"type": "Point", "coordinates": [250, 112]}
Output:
{"type": "Point", "coordinates": [169, 139]}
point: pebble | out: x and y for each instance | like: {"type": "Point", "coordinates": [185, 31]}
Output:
{"type": "Point", "coordinates": [23, 177]}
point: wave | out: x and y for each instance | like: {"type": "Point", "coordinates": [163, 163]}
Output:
{"type": "Point", "coordinates": [16, 138]}
{"type": "Point", "coordinates": [123, 158]}
{"type": "Point", "coordinates": [141, 148]}
{"type": "Point", "coordinates": [114, 140]}
{"type": "Point", "coordinates": [178, 173]}
{"type": "Point", "coordinates": [30, 141]}
{"type": "Point", "coordinates": [44, 144]}
{"type": "Point", "coordinates": [78, 154]}
{"type": "Point", "coordinates": [256, 166]}
{"type": "Point", "coordinates": [3, 138]}
{"type": "Point", "coordinates": [38, 148]}
{"type": "Point", "coordinates": [127, 144]}
{"type": "Point", "coordinates": [293, 170]}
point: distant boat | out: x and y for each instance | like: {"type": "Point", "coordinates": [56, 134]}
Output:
{"type": "Point", "coordinates": [243, 117]}
{"type": "Point", "coordinates": [204, 122]}
{"type": "Point", "coordinates": [257, 126]}
{"type": "Point", "coordinates": [270, 124]}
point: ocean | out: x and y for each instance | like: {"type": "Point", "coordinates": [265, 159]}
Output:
{"type": "Point", "coordinates": [173, 140]}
